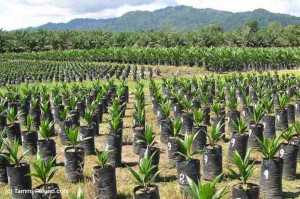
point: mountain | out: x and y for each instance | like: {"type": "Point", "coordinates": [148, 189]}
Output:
{"type": "Point", "coordinates": [177, 18]}
{"type": "Point", "coordinates": [77, 24]}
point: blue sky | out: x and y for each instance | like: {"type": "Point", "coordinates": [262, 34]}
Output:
{"type": "Point", "coordinates": [16, 14]}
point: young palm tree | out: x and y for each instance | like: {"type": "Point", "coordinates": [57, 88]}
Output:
{"type": "Point", "coordinates": [245, 170]}
{"type": "Point", "coordinates": [212, 158]}
{"type": "Point", "coordinates": [271, 166]}
{"type": "Point", "coordinates": [239, 138]}
{"type": "Point", "coordinates": [18, 169]}
{"type": "Point", "coordinates": [104, 176]}
{"type": "Point", "coordinates": [144, 179]}
{"type": "Point", "coordinates": [44, 172]}
{"type": "Point", "coordinates": [205, 190]}
{"type": "Point", "coordinates": [256, 128]}
{"type": "Point", "coordinates": [46, 146]}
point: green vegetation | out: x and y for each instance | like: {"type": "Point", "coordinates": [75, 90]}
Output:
{"type": "Point", "coordinates": [206, 28]}
{"type": "Point", "coordinates": [205, 190]}
{"type": "Point", "coordinates": [143, 176]}
{"type": "Point", "coordinates": [217, 59]}
{"type": "Point", "coordinates": [43, 170]}
{"type": "Point", "coordinates": [245, 167]}
{"type": "Point", "coordinates": [270, 146]}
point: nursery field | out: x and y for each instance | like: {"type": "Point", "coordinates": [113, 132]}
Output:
{"type": "Point", "coordinates": [198, 117]}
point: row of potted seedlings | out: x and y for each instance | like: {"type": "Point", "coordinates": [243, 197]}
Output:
{"type": "Point", "coordinates": [182, 149]}
{"type": "Point", "coordinates": [257, 120]}
{"type": "Point", "coordinates": [144, 145]}
{"type": "Point", "coordinates": [78, 139]}
{"type": "Point", "coordinates": [28, 72]}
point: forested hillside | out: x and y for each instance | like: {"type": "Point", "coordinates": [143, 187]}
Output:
{"type": "Point", "coordinates": [180, 18]}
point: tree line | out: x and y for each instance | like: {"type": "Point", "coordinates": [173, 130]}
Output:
{"type": "Point", "coordinates": [249, 35]}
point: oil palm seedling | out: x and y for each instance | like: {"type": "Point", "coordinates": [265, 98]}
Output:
{"type": "Point", "coordinates": [100, 102]}
{"type": "Point", "coordinates": [95, 118]}
{"type": "Point", "coordinates": [121, 100]}
{"type": "Point", "coordinates": [35, 111]}
{"type": "Point", "coordinates": [46, 111]}
{"type": "Point", "coordinates": [218, 110]}
{"type": "Point", "coordinates": [173, 145]}
{"type": "Point", "coordinates": [148, 147]}
{"type": "Point", "coordinates": [220, 96]}
{"type": "Point", "coordinates": [46, 145]}
{"type": "Point", "coordinates": [116, 109]}
{"type": "Point", "coordinates": [87, 131]}
{"type": "Point", "coordinates": [139, 107]}
{"type": "Point", "coordinates": [189, 166]}
{"type": "Point", "coordinates": [139, 126]}
{"type": "Point", "coordinates": [29, 137]}
{"type": "Point", "coordinates": [200, 129]}
{"type": "Point", "coordinates": [245, 168]}
{"type": "Point", "coordinates": [288, 152]}
{"type": "Point", "coordinates": [55, 89]}
{"type": "Point", "coordinates": [205, 103]}
{"type": "Point", "coordinates": [290, 109]}
{"type": "Point", "coordinates": [177, 107]}
{"type": "Point", "coordinates": [206, 190]}
{"type": "Point", "coordinates": [47, 114]}
{"type": "Point", "coordinates": [164, 110]}
{"type": "Point", "coordinates": [13, 126]}
{"type": "Point", "coordinates": [269, 117]}
{"type": "Point", "coordinates": [12, 98]}
{"type": "Point", "coordinates": [212, 158]}
{"type": "Point", "coordinates": [17, 171]}
{"type": "Point", "coordinates": [186, 116]}
{"type": "Point", "coordinates": [281, 122]}
{"type": "Point", "coordinates": [247, 108]}
{"type": "Point", "coordinates": [73, 112]}
{"type": "Point", "coordinates": [57, 107]}
{"type": "Point", "coordinates": [64, 123]}
{"type": "Point", "coordinates": [88, 96]}
{"type": "Point", "coordinates": [139, 93]}
{"type": "Point", "coordinates": [219, 115]}
{"type": "Point", "coordinates": [104, 176]}
{"type": "Point", "coordinates": [196, 100]}
{"type": "Point", "coordinates": [23, 106]}
{"type": "Point", "coordinates": [233, 114]}
{"type": "Point", "coordinates": [114, 139]}
{"type": "Point", "coordinates": [44, 173]}
{"type": "Point", "coordinates": [74, 157]}
{"type": "Point", "coordinates": [145, 181]}
{"type": "Point", "coordinates": [156, 99]}
{"type": "Point", "coordinates": [164, 120]}
{"type": "Point", "coordinates": [256, 128]}
{"type": "Point", "coordinates": [239, 138]}
{"type": "Point", "coordinates": [271, 167]}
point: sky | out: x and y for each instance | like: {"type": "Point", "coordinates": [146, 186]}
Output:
{"type": "Point", "coordinates": [15, 14]}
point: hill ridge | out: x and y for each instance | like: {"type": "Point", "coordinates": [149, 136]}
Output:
{"type": "Point", "coordinates": [179, 18]}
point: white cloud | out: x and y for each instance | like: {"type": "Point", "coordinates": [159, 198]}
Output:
{"type": "Point", "coordinates": [23, 13]}
{"type": "Point", "coordinates": [16, 14]}
{"type": "Point", "coordinates": [85, 6]}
